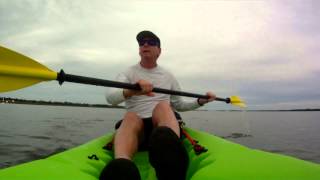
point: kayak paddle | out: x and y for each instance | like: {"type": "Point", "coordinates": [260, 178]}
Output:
{"type": "Point", "coordinates": [18, 71]}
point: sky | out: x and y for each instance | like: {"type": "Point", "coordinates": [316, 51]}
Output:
{"type": "Point", "coordinates": [266, 52]}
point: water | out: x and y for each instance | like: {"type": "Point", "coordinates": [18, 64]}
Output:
{"type": "Point", "coordinates": [29, 132]}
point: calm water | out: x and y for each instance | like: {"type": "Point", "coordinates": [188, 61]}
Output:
{"type": "Point", "coordinates": [30, 132]}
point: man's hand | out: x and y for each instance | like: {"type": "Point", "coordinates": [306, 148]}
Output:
{"type": "Point", "coordinates": [211, 96]}
{"type": "Point", "coordinates": [146, 89]}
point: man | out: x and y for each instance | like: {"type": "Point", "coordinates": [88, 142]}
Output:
{"type": "Point", "coordinates": [149, 113]}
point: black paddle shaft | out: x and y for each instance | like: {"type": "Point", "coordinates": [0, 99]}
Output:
{"type": "Point", "coordinates": [107, 83]}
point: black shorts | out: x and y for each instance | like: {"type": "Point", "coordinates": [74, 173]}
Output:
{"type": "Point", "coordinates": [147, 129]}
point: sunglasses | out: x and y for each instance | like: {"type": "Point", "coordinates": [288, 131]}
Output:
{"type": "Point", "coordinates": [150, 42]}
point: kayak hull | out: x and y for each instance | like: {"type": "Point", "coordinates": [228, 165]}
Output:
{"type": "Point", "coordinates": [224, 160]}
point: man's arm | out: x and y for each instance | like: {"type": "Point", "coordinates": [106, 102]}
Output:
{"type": "Point", "coordinates": [118, 96]}
{"type": "Point", "coordinates": [115, 95]}
{"type": "Point", "coordinates": [182, 105]}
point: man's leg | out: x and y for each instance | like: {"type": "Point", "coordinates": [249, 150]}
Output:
{"type": "Point", "coordinates": [166, 151]}
{"type": "Point", "coordinates": [163, 116]}
{"type": "Point", "coordinates": [125, 145]}
{"type": "Point", "coordinates": [126, 140]}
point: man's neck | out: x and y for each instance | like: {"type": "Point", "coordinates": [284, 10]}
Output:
{"type": "Point", "coordinates": [148, 63]}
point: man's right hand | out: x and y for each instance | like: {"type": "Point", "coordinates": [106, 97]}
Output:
{"type": "Point", "coordinates": [146, 89]}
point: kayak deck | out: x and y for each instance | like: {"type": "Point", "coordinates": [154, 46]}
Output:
{"type": "Point", "coordinates": [224, 160]}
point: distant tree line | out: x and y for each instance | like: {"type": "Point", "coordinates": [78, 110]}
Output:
{"type": "Point", "coordinates": [57, 103]}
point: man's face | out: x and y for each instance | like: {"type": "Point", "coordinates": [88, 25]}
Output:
{"type": "Point", "coordinates": [148, 48]}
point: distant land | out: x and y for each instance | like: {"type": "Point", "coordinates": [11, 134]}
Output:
{"type": "Point", "coordinates": [9, 100]}
{"type": "Point", "coordinates": [272, 110]}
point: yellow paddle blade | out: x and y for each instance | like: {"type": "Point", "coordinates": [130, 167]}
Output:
{"type": "Point", "coordinates": [235, 100]}
{"type": "Point", "coordinates": [18, 71]}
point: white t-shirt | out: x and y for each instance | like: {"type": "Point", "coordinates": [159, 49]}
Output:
{"type": "Point", "coordinates": [143, 105]}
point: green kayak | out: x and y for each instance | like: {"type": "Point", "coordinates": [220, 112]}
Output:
{"type": "Point", "coordinates": [224, 160]}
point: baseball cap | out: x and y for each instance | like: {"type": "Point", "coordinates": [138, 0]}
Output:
{"type": "Point", "coordinates": [147, 34]}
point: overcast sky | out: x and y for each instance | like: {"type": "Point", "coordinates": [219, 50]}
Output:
{"type": "Point", "coordinates": [267, 52]}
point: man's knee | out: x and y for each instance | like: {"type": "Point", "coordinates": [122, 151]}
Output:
{"type": "Point", "coordinates": [131, 115]}
{"type": "Point", "coordinates": [163, 106]}
{"type": "Point", "coordinates": [163, 113]}
{"type": "Point", "coordinates": [132, 120]}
